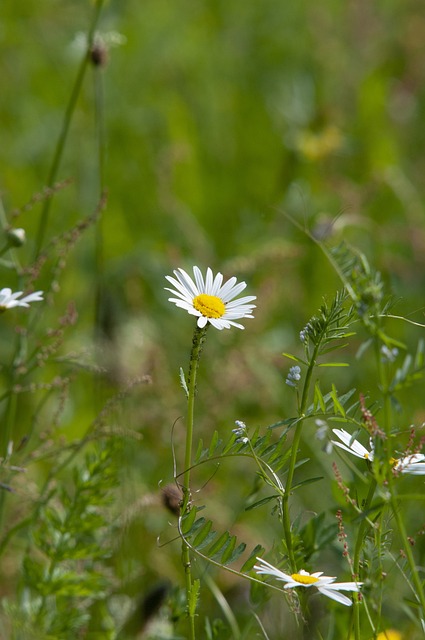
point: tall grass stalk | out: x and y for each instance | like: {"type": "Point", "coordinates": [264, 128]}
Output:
{"type": "Point", "coordinates": [63, 135]}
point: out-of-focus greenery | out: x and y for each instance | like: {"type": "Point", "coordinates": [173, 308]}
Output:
{"type": "Point", "coordinates": [219, 117]}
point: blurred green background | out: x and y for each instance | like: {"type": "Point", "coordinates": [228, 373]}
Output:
{"type": "Point", "coordinates": [217, 118]}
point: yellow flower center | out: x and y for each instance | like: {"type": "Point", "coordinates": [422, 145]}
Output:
{"type": "Point", "coordinates": [299, 577]}
{"type": "Point", "coordinates": [209, 306]}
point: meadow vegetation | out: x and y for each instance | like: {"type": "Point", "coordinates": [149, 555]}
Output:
{"type": "Point", "coordinates": [167, 475]}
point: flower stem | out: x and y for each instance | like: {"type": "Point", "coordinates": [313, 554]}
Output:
{"type": "Point", "coordinates": [356, 557]}
{"type": "Point", "coordinates": [294, 451]}
{"type": "Point", "coordinates": [197, 343]}
{"type": "Point", "coordinates": [394, 503]}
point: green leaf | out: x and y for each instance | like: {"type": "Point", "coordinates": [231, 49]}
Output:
{"type": "Point", "coordinates": [248, 564]}
{"type": "Point", "coordinates": [202, 534]}
{"type": "Point", "coordinates": [188, 520]}
{"type": "Point", "coordinates": [199, 450]}
{"type": "Point", "coordinates": [228, 551]}
{"type": "Point", "coordinates": [228, 559]}
{"type": "Point", "coordinates": [334, 364]}
{"type": "Point", "coordinates": [217, 548]}
{"type": "Point", "coordinates": [214, 443]}
{"type": "Point", "coordinates": [183, 382]}
{"type": "Point", "coordinates": [338, 408]}
{"type": "Point", "coordinates": [318, 398]}
{"type": "Point", "coordinates": [306, 482]}
{"type": "Point", "coordinates": [193, 597]}
{"type": "Point", "coordinates": [295, 358]}
{"type": "Point", "coordinates": [260, 503]}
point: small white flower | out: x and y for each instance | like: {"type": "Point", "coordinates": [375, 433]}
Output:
{"type": "Point", "coordinates": [413, 463]}
{"type": "Point", "coordinates": [210, 299]}
{"type": "Point", "coordinates": [294, 376]}
{"type": "Point", "coordinates": [8, 300]}
{"type": "Point", "coordinates": [324, 584]}
{"type": "Point", "coordinates": [351, 445]}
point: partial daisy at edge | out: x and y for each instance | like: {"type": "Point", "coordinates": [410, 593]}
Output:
{"type": "Point", "coordinates": [209, 299]}
{"type": "Point", "coordinates": [326, 585]}
{"type": "Point", "coordinates": [413, 463]}
{"type": "Point", "coordinates": [9, 300]}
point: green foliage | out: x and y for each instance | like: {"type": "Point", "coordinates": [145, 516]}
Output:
{"type": "Point", "coordinates": [209, 126]}
{"type": "Point", "coordinates": [65, 567]}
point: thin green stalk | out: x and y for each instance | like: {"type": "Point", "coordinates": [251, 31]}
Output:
{"type": "Point", "coordinates": [294, 452]}
{"type": "Point", "coordinates": [356, 557]}
{"type": "Point", "coordinates": [407, 547]}
{"type": "Point", "coordinates": [198, 340]}
{"type": "Point", "coordinates": [390, 480]}
{"type": "Point", "coordinates": [60, 145]}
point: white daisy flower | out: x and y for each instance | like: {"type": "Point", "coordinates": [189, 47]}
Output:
{"type": "Point", "coordinates": [413, 463]}
{"type": "Point", "coordinates": [8, 300]}
{"type": "Point", "coordinates": [210, 299]}
{"type": "Point", "coordinates": [351, 445]}
{"type": "Point", "coordinates": [324, 584]}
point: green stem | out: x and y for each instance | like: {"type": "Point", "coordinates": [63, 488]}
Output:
{"type": "Point", "coordinates": [390, 480]}
{"type": "Point", "coordinates": [356, 557]}
{"type": "Point", "coordinates": [198, 340]}
{"type": "Point", "coordinates": [60, 145]}
{"type": "Point", "coordinates": [294, 452]}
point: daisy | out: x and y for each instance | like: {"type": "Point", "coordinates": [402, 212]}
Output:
{"type": "Point", "coordinates": [413, 463]}
{"type": "Point", "coordinates": [351, 445]}
{"type": "Point", "coordinates": [324, 584]}
{"type": "Point", "coordinates": [8, 300]}
{"type": "Point", "coordinates": [210, 299]}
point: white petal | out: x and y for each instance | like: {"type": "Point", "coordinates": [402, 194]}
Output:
{"type": "Point", "coordinates": [189, 292]}
{"type": "Point", "coordinates": [33, 297]}
{"type": "Point", "coordinates": [269, 569]}
{"type": "Point", "coordinates": [202, 321]}
{"type": "Point", "coordinates": [235, 324]}
{"type": "Point", "coordinates": [241, 301]}
{"type": "Point", "coordinates": [219, 323]}
{"type": "Point", "coordinates": [345, 586]}
{"type": "Point", "coordinates": [217, 284]}
{"type": "Point", "coordinates": [209, 282]}
{"type": "Point", "coordinates": [199, 279]}
{"type": "Point", "coordinates": [226, 288]}
{"type": "Point", "coordinates": [231, 293]}
{"type": "Point", "coordinates": [334, 595]}
{"type": "Point", "coordinates": [352, 446]}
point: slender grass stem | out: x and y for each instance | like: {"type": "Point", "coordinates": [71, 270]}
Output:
{"type": "Point", "coordinates": [365, 523]}
{"type": "Point", "coordinates": [60, 145]}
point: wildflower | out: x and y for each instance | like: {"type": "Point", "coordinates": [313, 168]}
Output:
{"type": "Point", "coordinates": [387, 354]}
{"type": "Point", "coordinates": [389, 634]}
{"type": "Point", "coordinates": [16, 237]}
{"type": "Point", "coordinates": [324, 584]}
{"type": "Point", "coordinates": [351, 445]}
{"type": "Point", "coordinates": [321, 434]}
{"type": "Point", "coordinates": [413, 463]}
{"type": "Point", "coordinates": [8, 300]}
{"type": "Point", "coordinates": [293, 376]}
{"type": "Point", "coordinates": [210, 299]}
{"type": "Point", "coordinates": [305, 333]}
{"type": "Point", "coordinates": [240, 432]}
